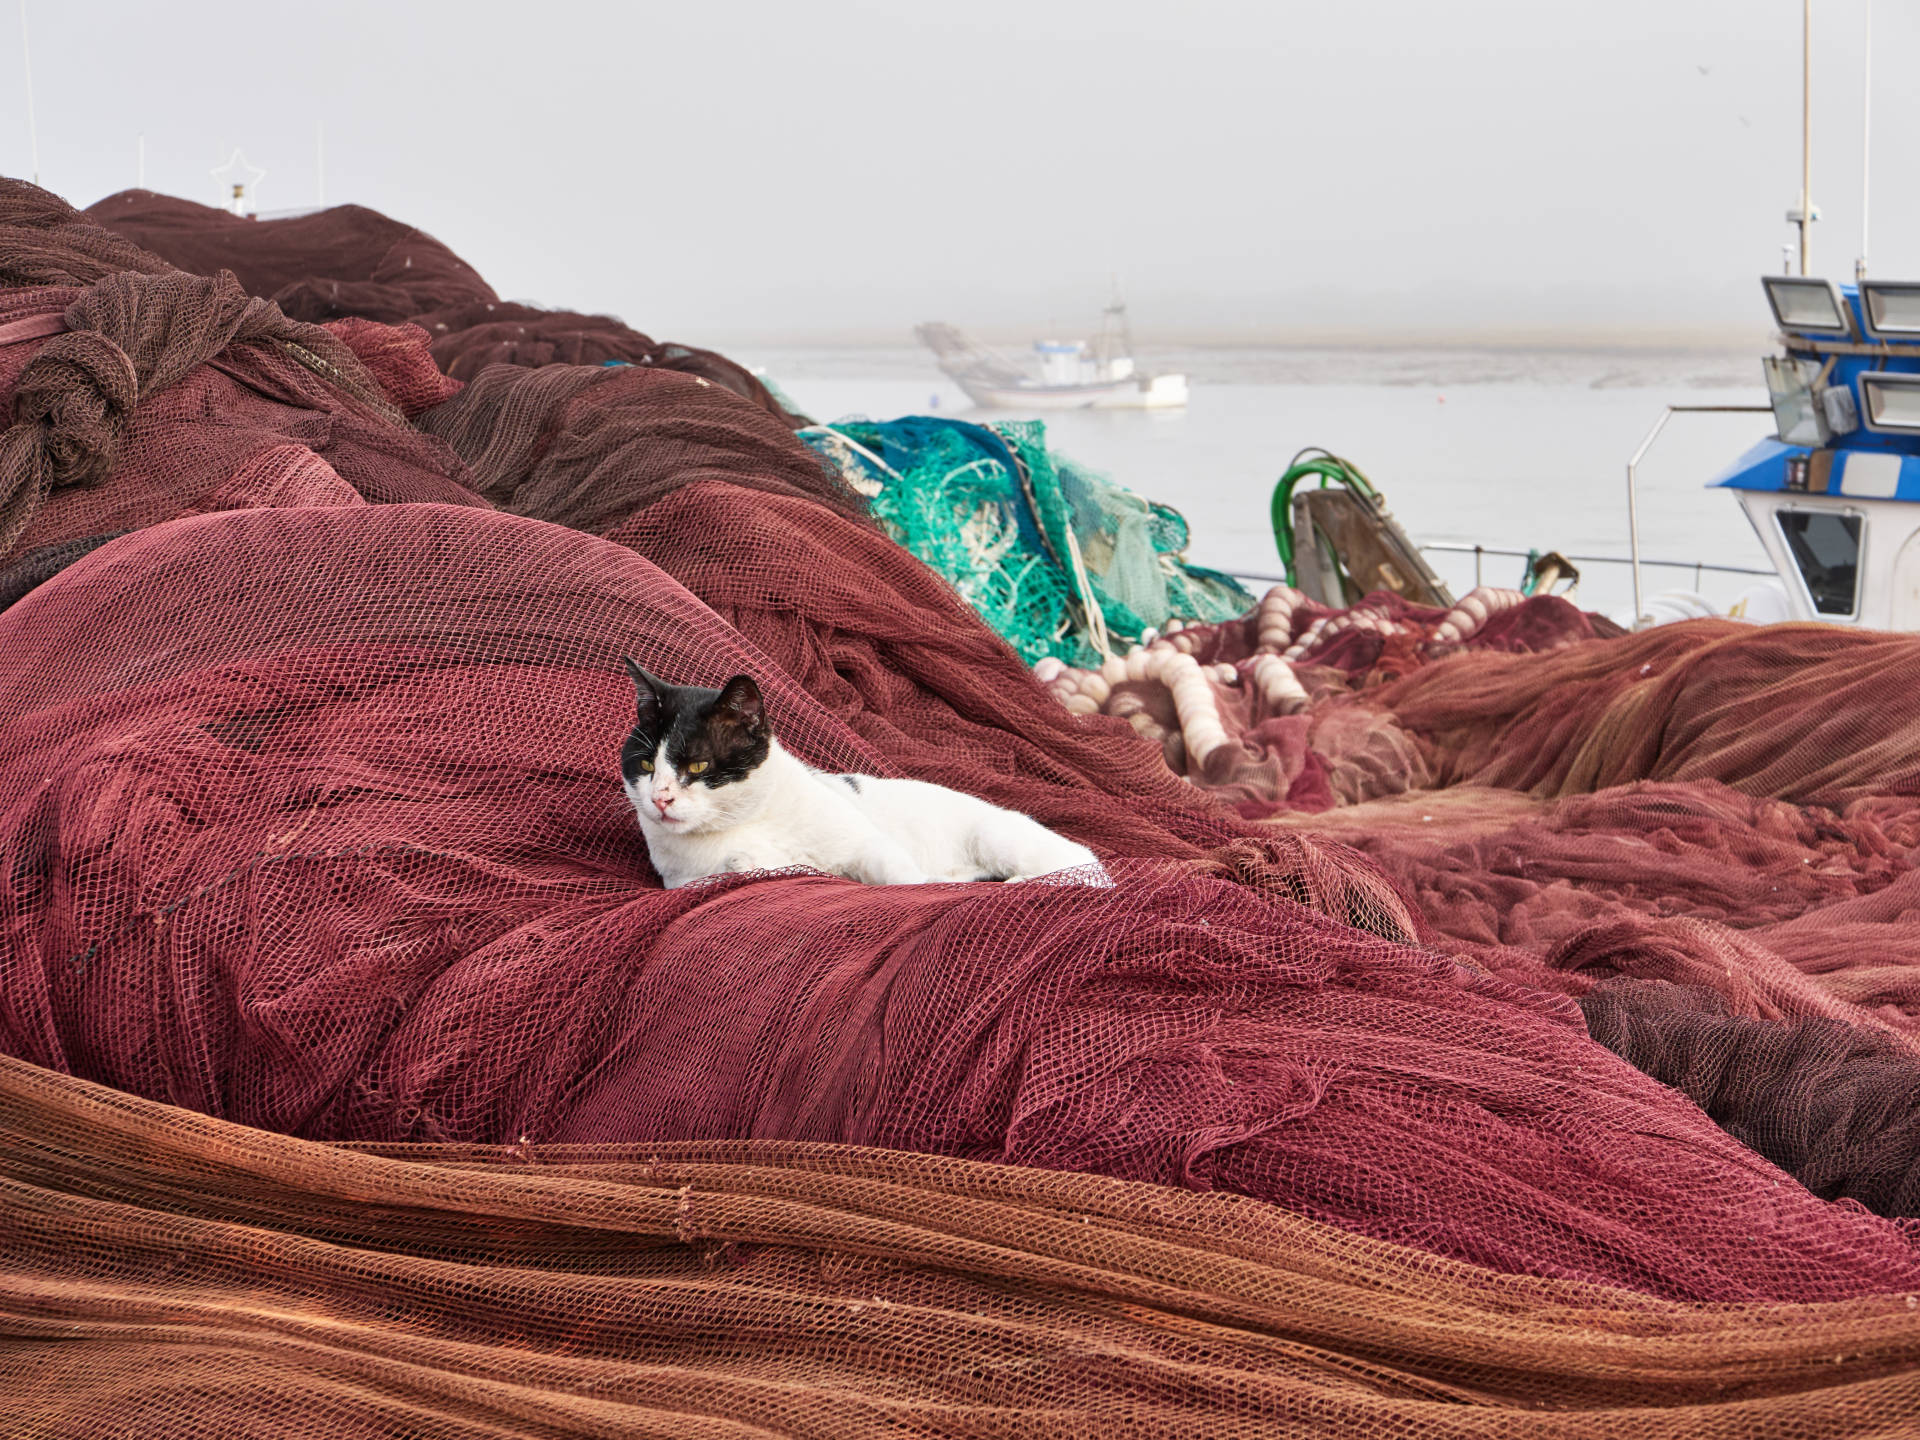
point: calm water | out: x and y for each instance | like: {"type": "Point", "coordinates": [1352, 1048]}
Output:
{"type": "Point", "coordinates": [1506, 449]}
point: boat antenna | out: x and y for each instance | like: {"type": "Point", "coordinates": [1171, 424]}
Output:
{"type": "Point", "coordinates": [1866, 143]}
{"type": "Point", "coordinates": [1116, 319]}
{"type": "Point", "coordinates": [1805, 216]}
{"type": "Point", "coordinates": [33, 125]}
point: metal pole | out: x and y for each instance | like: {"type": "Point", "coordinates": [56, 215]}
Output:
{"type": "Point", "coordinates": [1633, 509]}
{"type": "Point", "coordinates": [33, 125]}
{"type": "Point", "coordinates": [1806, 130]}
{"type": "Point", "coordinates": [1866, 143]}
{"type": "Point", "coordinates": [1633, 480]}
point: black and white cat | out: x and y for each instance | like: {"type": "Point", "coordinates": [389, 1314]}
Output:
{"type": "Point", "coordinates": [715, 793]}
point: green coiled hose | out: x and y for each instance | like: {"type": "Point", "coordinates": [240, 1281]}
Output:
{"type": "Point", "coordinates": [1305, 465]}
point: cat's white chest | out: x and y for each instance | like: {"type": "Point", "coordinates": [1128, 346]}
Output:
{"type": "Point", "coordinates": [682, 859]}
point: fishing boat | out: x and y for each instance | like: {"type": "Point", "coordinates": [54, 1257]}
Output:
{"type": "Point", "coordinates": [1073, 374]}
{"type": "Point", "coordinates": [1834, 495]}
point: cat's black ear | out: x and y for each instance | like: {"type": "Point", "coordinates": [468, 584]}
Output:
{"type": "Point", "coordinates": [646, 690]}
{"type": "Point", "coordinates": [740, 704]}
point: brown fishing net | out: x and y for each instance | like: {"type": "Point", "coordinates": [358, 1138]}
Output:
{"type": "Point", "coordinates": [310, 811]}
{"type": "Point", "coordinates": [349, 261]}
{"type": "Point", "coordinates": [168, 1274]}
{"type": "Point", "coordinates": [326, 265]}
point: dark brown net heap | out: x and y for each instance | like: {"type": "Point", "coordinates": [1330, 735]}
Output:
{"type": "Point", "coordinates": [351, 262]}
{"type": "Point", "coordinates": [1543, 1064]}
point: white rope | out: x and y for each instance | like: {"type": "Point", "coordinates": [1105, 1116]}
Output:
{"type": "Point", "coordinates": [1096, 620]}
{"type": "Point", "coordinates": [855, 446]}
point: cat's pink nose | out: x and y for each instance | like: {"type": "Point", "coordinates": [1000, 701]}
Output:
{"type": "Point", "coordinates": [663, 803]}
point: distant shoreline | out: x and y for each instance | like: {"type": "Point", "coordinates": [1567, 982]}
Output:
{"type": "Point", "coordinates": [1723, 367]}
{"type": "Point", "coordinates": [1755, 342]}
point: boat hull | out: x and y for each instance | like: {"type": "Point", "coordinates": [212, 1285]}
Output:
{"type": "Point", "coordinates": [1159, 392]}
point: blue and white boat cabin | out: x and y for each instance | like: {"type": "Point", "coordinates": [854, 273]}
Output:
{"type": "Point", "coordinates": [1835, 498]}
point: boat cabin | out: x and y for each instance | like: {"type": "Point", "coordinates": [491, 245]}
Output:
{"type": "Point", "coordinates": [1835, 496]}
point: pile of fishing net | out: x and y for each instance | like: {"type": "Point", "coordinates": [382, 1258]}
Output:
{"type": "Point", "coordinates": [1059, 561]}
{"type": "Point", "coordinates": [309, 801]}
{"type": "Point", "coordinates": [1715, 823]}
{"type": "Point", "coordinates": [349, 261]}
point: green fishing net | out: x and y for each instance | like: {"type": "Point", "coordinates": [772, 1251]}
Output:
{"type": "Point", "coordinates": [1052, 555]}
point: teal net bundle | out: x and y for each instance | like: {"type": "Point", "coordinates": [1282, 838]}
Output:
{"type": "Point", "coordinates": [1059, 560]}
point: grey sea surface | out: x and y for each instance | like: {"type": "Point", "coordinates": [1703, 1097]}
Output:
{"type": "Point", "coordinates": [1505, 448]}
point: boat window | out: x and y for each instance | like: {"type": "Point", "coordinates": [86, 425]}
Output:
{"type": "Point", "coordinates": [1826, 547]}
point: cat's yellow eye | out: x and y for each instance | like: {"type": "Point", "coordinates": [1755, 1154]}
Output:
{"type": "Point", "coordinates": [697, 767]}
{"type": "Point", "coordinates": [647, 765]}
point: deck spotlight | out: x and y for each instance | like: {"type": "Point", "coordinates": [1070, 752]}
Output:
{"type": "Point", "coordinates": [1892, 402]}
{"type": "Point", "coordinates": [1891, 309]}
{"type": "Point", "coordinates": [1804, 306]}
{"type": "Point", "coordinates": [1798, 416]}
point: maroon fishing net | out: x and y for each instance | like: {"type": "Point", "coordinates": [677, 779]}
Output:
{"type": "Point", "coordinates": [309, 800]}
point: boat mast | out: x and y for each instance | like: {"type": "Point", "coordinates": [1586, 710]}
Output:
{"type": "Point", "coordinates": [1116, 335]}
{"type": "Point", "coordinates": [33, 123]}
{"type": "Point", "coordinates": [1806, 130]}
{"type": "Point", "coordinates": [1866, 143]}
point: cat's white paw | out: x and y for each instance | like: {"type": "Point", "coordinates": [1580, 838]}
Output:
{"type": "Point", "coordinates": [1091, 872]}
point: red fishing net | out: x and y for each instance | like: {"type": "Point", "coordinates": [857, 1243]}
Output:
{"type": "Point", "coordinates": [1713, 804]}
{"type": "Point", "coordinates": [312, 826]}
{"type": "Point", "coordinates": [312, 823]}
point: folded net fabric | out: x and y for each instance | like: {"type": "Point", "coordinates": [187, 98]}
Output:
{"type": "Point", "coordinates": [170, 1274]}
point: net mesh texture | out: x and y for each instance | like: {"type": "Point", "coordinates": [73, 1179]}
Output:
{"type": "Point", "coordinates": [432, 1114]}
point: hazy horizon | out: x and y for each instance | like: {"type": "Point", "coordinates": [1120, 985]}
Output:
{"type": "Point", "coordinates": [1484, 174]}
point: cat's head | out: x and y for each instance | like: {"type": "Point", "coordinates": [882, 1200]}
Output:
{"type": "Point", "coordinates": [691, 762]}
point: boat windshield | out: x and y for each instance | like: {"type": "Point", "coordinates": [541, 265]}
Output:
{"type": "Point", "coordinates": [1826, 547]}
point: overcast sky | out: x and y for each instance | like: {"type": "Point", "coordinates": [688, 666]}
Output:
{"type": "Point", "coordinates": [842, 169]}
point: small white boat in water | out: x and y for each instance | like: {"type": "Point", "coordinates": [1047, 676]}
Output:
{"type": "Point", "coordinates": [1074, 374]}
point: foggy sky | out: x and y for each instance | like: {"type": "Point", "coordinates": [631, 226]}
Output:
{"type": "Point", "coordinates": [750, 170]}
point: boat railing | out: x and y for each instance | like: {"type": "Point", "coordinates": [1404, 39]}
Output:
{"type": "Point", "coordinates": [1700, 568]}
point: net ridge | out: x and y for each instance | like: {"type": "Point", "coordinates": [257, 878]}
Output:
{"type": "Point", "coordinates": [348, 262]}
